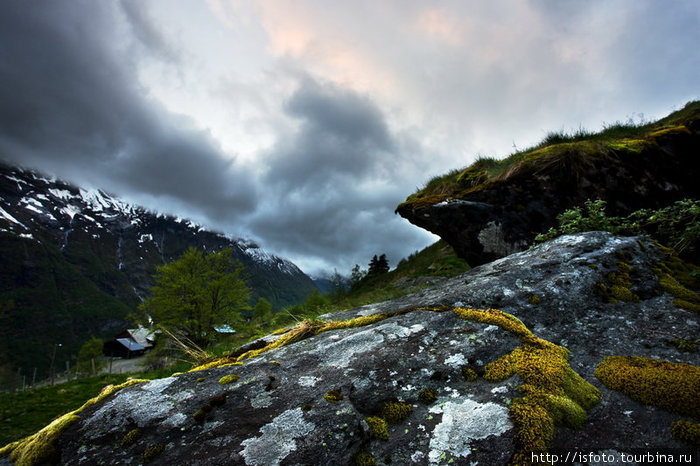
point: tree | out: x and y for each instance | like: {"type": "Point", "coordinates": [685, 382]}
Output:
{"type": "Point", "coordinates": [356, 275]}
{"type": "Point", "coordinates": [196, 293]}
{"type": "Point", "coordinates": [338, 284]}
{"type": "Point", "coordinates": [378, 265]}
{"type": "Point", "coordinates": [262, 311]}
{"type": "Point", "coordinates": [90, 357]}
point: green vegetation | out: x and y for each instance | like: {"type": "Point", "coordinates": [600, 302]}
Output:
{"type": "Point", "coordinates": [567, 153]}
{"type": "Point", "coordinates": [687, 432]}
{"type": "Point", "coordinates": [552, 393]}
{"type": "Point", "coordinates": [39, 448]}
{"type": "Point", "coordinates": [672, 386]}
{"type": "Point", "coordinates": [395, 412]}
{"type": "Point", "coordinates": [90, 357]}
{"type": "Point", "coordinates": [25, 412]}
{"type": "Point", "coordinates": [676, 226]}
{"type": "Point", "coordinates": [196, 293]}
{"type": "Point", "coordinates": [42, 291]}
{"type": "Point", "coordinates": [378, 428]}
{"type": "Point", "coordinates": [334, 396]}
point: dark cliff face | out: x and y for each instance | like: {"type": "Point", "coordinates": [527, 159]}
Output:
{"type": "Point", "coordinates": [484, 218]}
{"type": "Point", "coordinates": [424, 379]}
{"type": "Point", "coordinates": [76, 262]}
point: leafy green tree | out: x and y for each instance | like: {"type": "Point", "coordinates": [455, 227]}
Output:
{"type": "Point", "coordinates": [90, 357]}
{"type": "Point", "coordinates": [262, 311]}
{"type": "Point", "coordinates": [196, 293]}
{"type": "Point", "coordinates": [356, 275]}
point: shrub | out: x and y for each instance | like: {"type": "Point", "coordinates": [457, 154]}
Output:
{"type": "Point", "coordinates": [676, 226]}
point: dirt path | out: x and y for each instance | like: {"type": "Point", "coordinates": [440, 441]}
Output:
{"type": "Point", "coordinates": [121, 366]}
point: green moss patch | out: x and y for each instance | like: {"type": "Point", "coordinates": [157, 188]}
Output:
{"type": "Point", "coordinates": [334, 396]}
{"type": "Point", "coordinates": [618, 285]}
{"type": "Point", "coordinates": [378, 428]}
{"type": "Point", "coordinates": [427, 396]}
{"type": "Point", "coordinates": [131, 437]}
{"type": "Point", "coordinates": [152, 452]}
{"type": "Point", "coordinates": [365, 459]}
{"type": "Point", "coordinates": [672, 386]}
{"type": "Point", "coordinates": [229, 379]}
{"type": "Point", "coordinates": [552, 393]}
{"type": "Point", "coordinates": [687, 432]}
{"type": "Point", "coordinates": [395, 411]}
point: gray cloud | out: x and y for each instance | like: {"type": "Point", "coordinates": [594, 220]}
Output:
{"type": "Point", "coordinates": [70, 102]}
{"type": "Point", "coordinates": [332, 183]}
{"type": "Point", "coordinates": [87, 91]}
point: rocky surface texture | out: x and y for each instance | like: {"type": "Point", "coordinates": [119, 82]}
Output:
{"type": "Point", "coordinates": [410, 381]}
{"type": "Point", "coordinates": [486, 217]}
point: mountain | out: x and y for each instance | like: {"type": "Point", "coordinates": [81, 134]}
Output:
{"type": "Point", "coordinates": [496, 207]}
{"type": "Point", "coordinates": [523, 355]}
{"type": "Point", "coordinates": [77, 261]}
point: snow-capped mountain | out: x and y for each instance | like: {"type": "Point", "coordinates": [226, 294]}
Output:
{"type": "Point", "coordinates": [79, 260]}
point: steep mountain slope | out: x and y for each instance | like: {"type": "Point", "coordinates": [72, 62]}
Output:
{"type": "Point", "coordinates": [76, 261]}
{"type": "Point", "coordinates": [495, 207]}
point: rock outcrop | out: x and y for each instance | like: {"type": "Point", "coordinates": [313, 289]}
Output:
{"type": "Point", "coordinates": [436, 377]}
{"type": "Point", "coordinates": [494, 208]}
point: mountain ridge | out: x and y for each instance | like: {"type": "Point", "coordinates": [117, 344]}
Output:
{"type": "Point", "coordinates": [88, 250]}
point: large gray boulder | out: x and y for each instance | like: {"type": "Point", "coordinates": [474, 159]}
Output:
{"type": "Point", "coordinates": [309, 402]}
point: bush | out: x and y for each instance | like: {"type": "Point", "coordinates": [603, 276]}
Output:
{"type": "Point", "coordinates": [676, 226]}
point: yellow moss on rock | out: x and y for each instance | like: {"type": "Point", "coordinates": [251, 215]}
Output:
{"type": "Point", "coordinates": [220, 362]}
{"type": "Point", "coordinates": [131, 437]}
{"type": "Point", "coordinates": [40, 447]}
{"type": "Point", "coordinates": [672, 386]}
{"type": "Point", "coordinates": [680, 129]}
{"type": "Point", "coordinates": [365, 459]}
{"type": "Point", "coordinates": [687, 299]}
{"type": "Point", "coordinates": [152, 452]}
{"type": "Point", "coordinates": [687, 432]}
{"type": "Point", "coordinates": [552, 393]}
{"type": "Point", "coordinates": [378, 428]}
{"type": "Point", "coordinates": [334, 396]}
{"type": "Point", "coordinates": [395, 411]}
{"type": "Point", "coordinates": [229, 379]}
{"type": "Point", "coordinates": [506, 321]}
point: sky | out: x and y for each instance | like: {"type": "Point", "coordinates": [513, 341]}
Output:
{"type": "Point", "coordinates": [303, 124]}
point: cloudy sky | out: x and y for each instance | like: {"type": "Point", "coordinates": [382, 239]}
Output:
{"type": "Point", "coordinates": [302, 124]}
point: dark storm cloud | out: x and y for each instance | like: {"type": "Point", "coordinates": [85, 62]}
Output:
{"type": "Point", "coordinates": [70, 102]}
{"type": "Point", "coordinates": [333, 182]}
{"type": "Point", "coordinates": [342, 135]}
